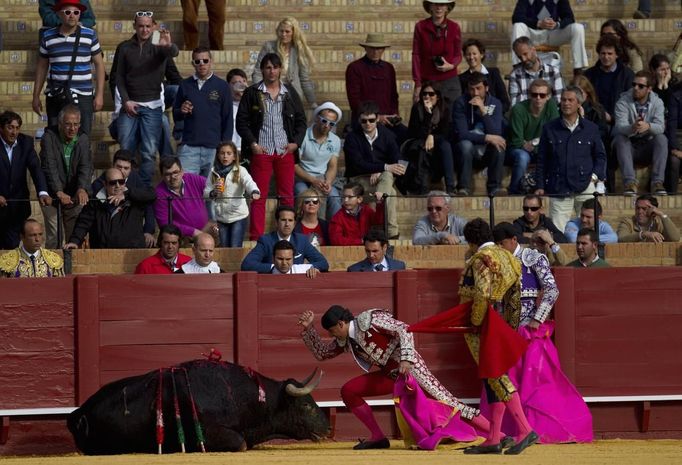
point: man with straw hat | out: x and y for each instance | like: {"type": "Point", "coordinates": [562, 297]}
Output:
{"type": "Point", "coordinates": [372, 79]}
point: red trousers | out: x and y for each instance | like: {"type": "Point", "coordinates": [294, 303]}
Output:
{"type": "Point", "coordinates": [261, 169]}
{"type": "Point", "coordinates": [216, 23]}
{"type": "Point", "coordinates": [374, 383]}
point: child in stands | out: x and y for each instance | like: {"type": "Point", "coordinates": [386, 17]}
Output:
{"type": "Point", "coordinates": [226, 185]}
{"type": "Point", "coordinates": [351, 223]}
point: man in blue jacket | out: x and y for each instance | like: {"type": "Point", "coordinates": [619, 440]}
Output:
{"type": "Point", "coordinates": [571, 163]}
{"type": "Point", "coordinates": [376, 246]}
{"type": "Point", "coordinates": [260, 257]}
{"type": "Point", "coordinates": [204, 103]}
{"type": "Point", "coordinates": [478, 121]}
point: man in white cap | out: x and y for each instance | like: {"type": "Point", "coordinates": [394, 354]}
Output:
{"type": "Point", "coordinates": [372, 79]}
{"type": "Point", "coordinates": [319, 155]}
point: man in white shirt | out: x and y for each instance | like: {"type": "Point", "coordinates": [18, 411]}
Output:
{"type": "Point", "coordinates": [203, 248]}
{"type": "Point", "coordinates": [283, 260]}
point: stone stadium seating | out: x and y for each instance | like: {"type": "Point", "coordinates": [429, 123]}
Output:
{"type": "Point", "coordinates": [333, 29]}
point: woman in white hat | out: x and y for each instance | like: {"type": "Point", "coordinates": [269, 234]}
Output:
{"type": "Point", "coordinates": [437, 50]}
{"type": "Point", "coordinates": [297, 59]}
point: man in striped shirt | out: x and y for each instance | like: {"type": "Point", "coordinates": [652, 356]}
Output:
{"type": "Point", "coordinates": [54, 65]}
{"type": "Point", "coordinates": [272, 123]}
{"type": "Point", "coordinates": [530, 68]}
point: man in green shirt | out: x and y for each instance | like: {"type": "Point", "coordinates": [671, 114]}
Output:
{"type": "Point", "coordinates": [525, 125]}
{"type": "Point", "coordinates": [66, 160]}
{"type": "Point", "coordinates": [586, 248]}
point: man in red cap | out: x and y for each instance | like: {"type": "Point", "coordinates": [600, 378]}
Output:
{"type": "Point", "coordinates": [69, 81]}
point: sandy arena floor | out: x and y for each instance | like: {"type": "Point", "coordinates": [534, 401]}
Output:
{"type": "Point", "coordinates": [620, 452]}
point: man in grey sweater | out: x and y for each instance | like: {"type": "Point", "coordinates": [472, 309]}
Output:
{"type": "Point", "coordinates": [439, 226]}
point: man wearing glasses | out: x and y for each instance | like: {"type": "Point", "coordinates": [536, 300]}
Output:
{"type": "Point", "coordinates": [439, 226]}
{"type": "Point", "coordinates": [525, 125]}
{"type": "Point", "coordinates": [319, 155]}
{"type": "Point", "coordinates": [204, 104]}
{"type": "Point", "coordinates": [140, 71]}
{"type": "Point", "coordinates": [66, 83]}
{"type": "Point", "coordinates": [639, 134]}
{"type": "Point", "coordinates": [533, 220]}
{"type": "Point", "coordinates": [114, 220]}
{"type": "Point", "coordinates": [182, 195]}
{"type": "Point", "coordinates": [372, 161]}
{"type": "Point", "coordinates": [66, 160]}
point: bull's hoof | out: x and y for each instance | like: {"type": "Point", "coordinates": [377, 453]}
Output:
{"type": "Point", "coordinates": [380, 444]}
{"type": "Point", "coordinates": [242, 447]}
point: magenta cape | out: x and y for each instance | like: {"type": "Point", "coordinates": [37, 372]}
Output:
{"type": "Point", "coordinates": [425, 422]}
{"type": "Point", "coordinates": [553, 406]}
{"type": "Point", "coordinates": [501, 346]}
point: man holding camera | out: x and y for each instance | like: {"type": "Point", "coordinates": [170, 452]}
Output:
{"type": "Point", "coordinates": [66, 52]}
{"type": "Point", "coordinates": [648, 224]}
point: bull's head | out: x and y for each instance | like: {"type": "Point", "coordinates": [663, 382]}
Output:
{"type": "Point", "coordinates": [305, 419]}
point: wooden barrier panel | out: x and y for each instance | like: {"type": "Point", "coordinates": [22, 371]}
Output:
{"type": "Point", "coordinates": [37, 342]}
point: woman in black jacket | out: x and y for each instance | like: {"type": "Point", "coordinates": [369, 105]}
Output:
{"type": "Point", "coordinates": [430, 127]}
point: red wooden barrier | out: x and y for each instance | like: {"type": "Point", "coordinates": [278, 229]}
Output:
{"type": "Point", "coordinates": [617, 331]}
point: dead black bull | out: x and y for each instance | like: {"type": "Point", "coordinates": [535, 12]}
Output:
{"type": "Point", "coordinates": [201, 404]}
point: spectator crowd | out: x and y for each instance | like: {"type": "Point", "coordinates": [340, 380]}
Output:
{"type": "Point", "coordinates": [239, 144]}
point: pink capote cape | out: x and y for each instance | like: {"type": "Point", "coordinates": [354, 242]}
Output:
{"type": "Point", "coordinates": [554, 407]}
{"type": "Point", "coordinates": [425, 422]}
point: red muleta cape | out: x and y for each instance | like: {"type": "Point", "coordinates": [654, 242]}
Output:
{"type": "Point", "coordinates": [501, 346]}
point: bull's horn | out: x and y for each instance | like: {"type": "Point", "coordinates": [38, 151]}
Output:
{"type": "Point", "coordinates": [307, 380]}
{"type": "Point", "coordinates": [296, 391]}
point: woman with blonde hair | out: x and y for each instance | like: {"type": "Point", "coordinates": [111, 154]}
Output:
{"type": "Point", "coordinates": [297, 58]}
{"type": "Point", "coordinates": [309, 223]}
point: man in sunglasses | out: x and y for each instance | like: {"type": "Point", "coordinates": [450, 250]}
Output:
{"type": "Point", "coordinates": [439, 226]}
{"type": "Point", "coordinates": [114, 219]}
{"type": "Point", "coordinates": [140, 70]}
{"type": "Point", "coordinates": [204, 104]}
{"type": "Point", "coordinates": [639, 134]}
{"type": "Point", "coordinates": [372, 161]}
{"type": "Point", "coordinates": [319, 155]}
{"type": "Point", "coordinates": [59, 47]}
{"type": "Point", "coordinates": [525, 125]}
{"type": "Point", "coordinates": [124, 161]}
{"type": "Point", "coordinates": [533, 220]}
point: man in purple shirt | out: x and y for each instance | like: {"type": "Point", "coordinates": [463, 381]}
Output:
{"type": "Point", "coordinates": [183, 194]}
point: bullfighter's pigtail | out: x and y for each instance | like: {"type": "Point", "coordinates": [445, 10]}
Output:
{"type": "Point", "coordinates": [195, 416]}
{"type": "Point", "coordinates": [159, 413]}
{"type": "Point", "coordinates": [178, 419]}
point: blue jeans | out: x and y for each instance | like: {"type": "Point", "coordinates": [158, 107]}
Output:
{"type": "Point", "coordinates": [518, 159]}
{"type": "Point", "coordinates": [141, 133]}
{"type": "Point", "coordinates": [481, 155]}
{"type": "Point", "coordinates": [333, 199]}
{"type": "Point", "coordinates": [232, 234]}
{"type": "Point", "coordinates": [196, 159]}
